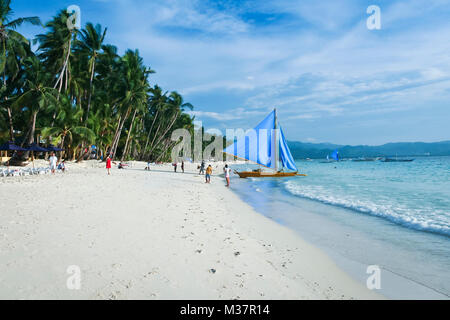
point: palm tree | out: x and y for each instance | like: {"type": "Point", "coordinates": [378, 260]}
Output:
{"type": "Point", "coordinates": [138, 89]}
{"type": "Point", "coordinates": [176, 106]}
{"type": "Point", "coordinates": [67, 125]}
{"type": "Point", "coordinates": [36, 95]}
{"type": "Point", "coordinates": [156, 103]}
{"type": "Point", "coordinates": [134, 88]}
{"type": "Point", "coordinates": [90, 44]}
{"type": "Point", "coordinates": [11, 41]}
{"type": "Point", "coordinates": [78, 90]}
{"type": "Point", "coordinates": [55, 49]}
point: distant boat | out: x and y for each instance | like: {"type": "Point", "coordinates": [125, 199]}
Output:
{"type": "Point", "coordinates": [364, 160]}
{"type": "Point", "coordinates": [334, 156]}
{"type": "Point", "coordinates": [268, 149]}
{"type": "Point", "coordinates": [397, 160]}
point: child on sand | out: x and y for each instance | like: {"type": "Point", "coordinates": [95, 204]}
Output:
{"type": "Point", "coordinates": [209, 171]}
{"type": "Point", "coordinates": [62, 166]}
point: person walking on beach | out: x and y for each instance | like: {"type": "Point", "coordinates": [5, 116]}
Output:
{"type": "Point", "coordinates": [108, 165]}
{"type": "Point", "coordinates": [202, 167]}
{"type": "Point", "coordinates": [227, 171]}
{"type": "Point", "coordinates": [182, 166]}
{"type": "Point", "coordinates": [53, 161]}
{"type": "Point", "coordinates": [209, 172]}
{"type": "Point", "coordinates": [175, 165]}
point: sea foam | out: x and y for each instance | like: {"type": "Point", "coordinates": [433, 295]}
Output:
{"type": "Point", "coordinates": [417, 219]}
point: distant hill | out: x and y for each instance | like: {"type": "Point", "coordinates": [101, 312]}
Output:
{"type": "Point", "coordinates": [302, 150]}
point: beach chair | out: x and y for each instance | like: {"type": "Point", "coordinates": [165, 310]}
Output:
{"type": "Point", "coordinates": [14, 173]}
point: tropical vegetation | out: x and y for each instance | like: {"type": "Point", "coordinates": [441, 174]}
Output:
{"type": "Point", "coordinates": [76, 92]}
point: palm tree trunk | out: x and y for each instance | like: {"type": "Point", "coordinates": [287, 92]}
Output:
{"type": "Point", "coordinates": [90, 91]}
{"type": "Point", "coordinates": [114, 149]}
{"type": "Point", "coordinates": [32, 130]}
{"type": "Point", "coordinates": [166, 148]}
{"type": "Point", "coordinates": [61, 75]}
{"type": "Point", "coordinates": [156, 135]}
{"type": "Point", "coordinates": [149, 133]}
{"type": "Point", "coordinates": [168, 129]}
{"type": "Point", "coordinates": [61, 145]}
{"type": "Point", "coordinates": [11, 128]}
{"type": "Point", "coordinates": [116, 139]}
{"type": "Point", "coordinates": [129, 135]}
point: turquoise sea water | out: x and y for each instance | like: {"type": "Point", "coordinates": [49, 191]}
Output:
{"type": "Point", "coordinates": [396, 215]}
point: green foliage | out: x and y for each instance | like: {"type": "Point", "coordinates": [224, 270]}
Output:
{"type": "Point", "coordinates": [76, 91]}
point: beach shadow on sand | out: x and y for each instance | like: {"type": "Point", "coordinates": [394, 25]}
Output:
{"type": "Point", "coordinates": [171, 171]}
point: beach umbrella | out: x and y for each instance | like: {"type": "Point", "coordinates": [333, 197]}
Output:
{"type": "Point", "coordinates": [53, 148]}
{"type": "Point", "coordinates": [35, 148]}
{"type": "Point", "coordinates": [10, 146]}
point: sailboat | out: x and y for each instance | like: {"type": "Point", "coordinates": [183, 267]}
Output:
{"type": "Point", "coordinates": [335, 157]}
{"type": "Point", "coordinates": [266, 146]}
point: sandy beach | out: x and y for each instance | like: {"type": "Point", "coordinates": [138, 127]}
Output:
{"type": "Point", "coordinates": [152, 235]}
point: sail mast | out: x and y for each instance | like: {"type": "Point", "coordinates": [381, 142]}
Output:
{"type": "Point", "coordinates": [276, 142]}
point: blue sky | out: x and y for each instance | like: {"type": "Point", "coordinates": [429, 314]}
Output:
{"type": "Point", "coordinates": [331, 79]}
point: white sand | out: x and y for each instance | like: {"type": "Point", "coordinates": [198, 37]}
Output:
{"type": "Point", "coordinates": [152, 235]}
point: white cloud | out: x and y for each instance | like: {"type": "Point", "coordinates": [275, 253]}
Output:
{"type": "Point", "coordinates": [333, 66]}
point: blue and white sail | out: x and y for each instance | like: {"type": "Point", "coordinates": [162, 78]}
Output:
{"type": "Point", "coordinates": [265, 145]}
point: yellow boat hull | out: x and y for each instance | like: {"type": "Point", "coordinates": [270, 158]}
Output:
{"type": "Point", "coordinates": [261, 174]}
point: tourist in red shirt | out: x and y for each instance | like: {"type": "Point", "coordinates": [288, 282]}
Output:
{"type": "Point", "coordinates": [108, 164]}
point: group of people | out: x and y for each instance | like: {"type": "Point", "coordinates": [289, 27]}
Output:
{"type": "Point", "coordinates": [109, 164]}
{"type": "Point", "coordinates": [209, 171]}
{"type": "Point", "coordinates": [175, 166]}
{"type": "Point", "coordinates": [55, 164]}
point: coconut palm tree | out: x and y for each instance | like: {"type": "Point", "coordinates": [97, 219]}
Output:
{"type": "Point", "coordinates": [36, 94]}
{"type": "Point", "coordinates": [67, 125]}
{"type": "Point", "coordinates": [175, 107]}
{"type": "Point", "coordinates": [55, 49]}
{"type": "Point", "coordinates": [76, 90]}
{"type": "Point", "coordinates": [134, 88]}
{"type": "Point", "coordinates": [156, 103]}
{"type": "Point", "coordinates": [12, 42]}
{"type": "Point", "coordinates": [90, 44]}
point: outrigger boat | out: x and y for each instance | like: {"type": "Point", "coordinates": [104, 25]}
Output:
{"type": "Point", "coordinates": [267, 147]}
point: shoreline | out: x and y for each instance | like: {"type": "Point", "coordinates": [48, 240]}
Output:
{"type": "Point", "coordinates": [153, 235]}
{"type": "Point", "coordinates": [353, 241]}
